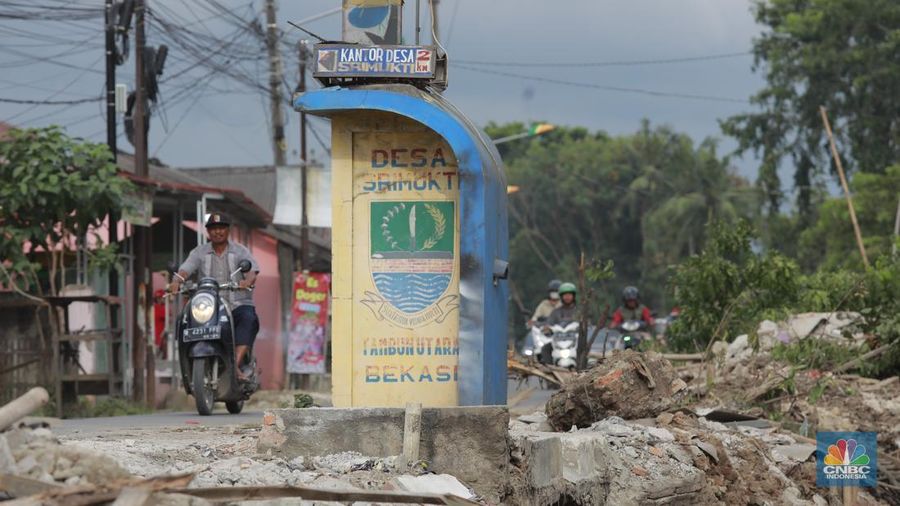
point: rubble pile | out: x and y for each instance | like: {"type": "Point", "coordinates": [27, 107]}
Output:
{"type": "Point", "coordinates": [36, 454]}
{"type": "Point", "coordinates": [675, 458]}
{"type": "Point", "coordinates": [627, 384]}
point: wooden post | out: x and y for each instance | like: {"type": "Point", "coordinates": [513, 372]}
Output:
{"type": "Point", "coordinates": [840, 167]}
{"type": "Point", "coordinates": [412, 433]}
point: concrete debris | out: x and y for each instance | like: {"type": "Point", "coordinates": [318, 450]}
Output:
{"type": "Point", "coordinates": [625, 462]}
{"type": "Point", "coordinates": [627, 384]}
{"type": "Point", "coordinates": [438, 484]}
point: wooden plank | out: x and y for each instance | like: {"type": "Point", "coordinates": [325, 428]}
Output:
{"type": "Point", "coordinates": [514, 365]}
{"type": "Point", "coordinates": [131, 496]}
{"type": "Point", "coordinates": [312, 494]}
{"type": "Point", "coordinates": [85, 377]}
{"type": "Point", "coordinates": [19, 486]}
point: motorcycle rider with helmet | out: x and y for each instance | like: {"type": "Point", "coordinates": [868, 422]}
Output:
{"type": "Point", "coordinates": [216, 259]}
{"type": "Point", "coordinates": [632, 310]}
{"type": "Point", "coordinates": [542, 312]}
{"type": "Point", "coordinates": [568, 310]}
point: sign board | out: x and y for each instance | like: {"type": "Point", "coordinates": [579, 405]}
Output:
{"type": "Point", "coordinates": [405, 281]}
{"type": "Point", "coordinates": [351, 60]}
{"type": "Point", "coordinates": [309, 321]}
{"type": "Point", "coordinates": [372, 22]}
{"type": "Point", "coordinates": [137, 208]}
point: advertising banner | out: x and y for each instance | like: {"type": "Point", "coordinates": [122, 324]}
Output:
{"type": "Point", "coordinates": [309, 322]}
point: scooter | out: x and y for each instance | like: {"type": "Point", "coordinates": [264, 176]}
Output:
{"type": "Point", "coordinates": [632, 334]}
{"type": "Point", "coordinates": [206, 348]}
{"type": "Point", "coordinates": [553, 345]}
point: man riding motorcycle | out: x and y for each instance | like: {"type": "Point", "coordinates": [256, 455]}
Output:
{"type": "Point", "coordinates": [217, 259]}
{"type": "Point", "coordinates": [568, 310]}
{"type": "Point", "coordinates": [632, 310]}
{"type": "Point", "coordinates": [542, 312]}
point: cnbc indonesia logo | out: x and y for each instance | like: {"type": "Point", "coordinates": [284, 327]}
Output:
{"type": "Point", "coordinates": [849, 459]}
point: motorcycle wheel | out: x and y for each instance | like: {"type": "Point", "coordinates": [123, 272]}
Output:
{"type": "Point", "coordinates": [546, 356]}
{"type": "Point", "coordinates": [234, 407]}
{"type": "Point", "coordinates": [204, 396]}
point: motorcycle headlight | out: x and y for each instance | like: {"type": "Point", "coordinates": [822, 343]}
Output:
{"type": "Point", "coordinates": [203, 305]}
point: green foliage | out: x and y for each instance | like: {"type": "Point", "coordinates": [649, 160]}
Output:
{"type": "Point", "coordinates": [814, 354]}
{"type": "Point", "coordinates": [303, 401]}
{"type": "Point", "coordinates": [728, 289]}
{"type": "Point", "coordinates": [52, 190]}
{"type": "Point", "coordinates": [841, 54]}
{"type": "Point", "coordinates": [829, 242]}
{"type": "Point", "coordinates": [639, 200]}
{"type": "Point", "coordinates": [723, 290]}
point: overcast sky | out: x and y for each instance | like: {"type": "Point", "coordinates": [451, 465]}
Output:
{"type": "Point", "coordinates": [232, 128]}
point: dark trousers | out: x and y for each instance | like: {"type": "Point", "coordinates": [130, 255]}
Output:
{"type": "Point", "coordinates": [246, 325]}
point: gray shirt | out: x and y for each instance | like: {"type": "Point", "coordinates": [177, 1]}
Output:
{"type": "Point", "coordinates": [204, 261]}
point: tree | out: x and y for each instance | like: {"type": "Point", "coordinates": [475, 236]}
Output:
{"type": "Point", "coordinates": [841, 54]}
{"type": "Point", "coordinates": [828, 243]}
{"type": "Point", "coordinates": [587, 191]}
{"type": "Point", "coordinates": [53, 191]}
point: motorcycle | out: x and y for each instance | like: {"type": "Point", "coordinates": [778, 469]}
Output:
{"type": "Point", "coordinates": [632, 333]}
{"type": "Point", "coordinates": [206, 349]}
{"type": "Point", "coordinates": [553, 345]}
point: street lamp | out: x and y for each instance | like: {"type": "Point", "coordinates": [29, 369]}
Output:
{"type": "Point", "coordinates": [535, 130]}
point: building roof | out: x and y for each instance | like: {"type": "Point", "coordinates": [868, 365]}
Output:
{"type": "Point", "coordinates": [259, 184]}
{"type": "Point", "coordinates": [177, 182]}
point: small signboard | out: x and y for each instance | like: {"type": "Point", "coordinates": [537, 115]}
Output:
{"type": "Point", "coordinates": [352, 60]}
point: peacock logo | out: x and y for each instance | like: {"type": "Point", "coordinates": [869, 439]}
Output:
{"type": "Point", "coordinates": [846, 452]}
{"type": "Point", "coordinates": [847, 459]}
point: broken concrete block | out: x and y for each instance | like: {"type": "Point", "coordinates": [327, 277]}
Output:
{"type": "Point", "coordinates": [7, 462]}
{"type": "Point", "coordinates": [543, 455]}
{"type": "Point", "coordinates": [661, 434]}
{"type": "Point", "coordinates": [583, 457]}
{"type": "Point", "coordinates": [439, 484]}
{"type": "Point", "coordinates": [470, 442]}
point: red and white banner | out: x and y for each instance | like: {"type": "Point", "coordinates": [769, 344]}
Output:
{"type": "Point", "coordinates": [309, 321]}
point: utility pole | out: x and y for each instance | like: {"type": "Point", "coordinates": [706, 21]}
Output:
{"type": "Point", "coordinates": [276, 73]}
{"type": "Point", "coordinates": [304, 223]}
{"type": "Point", "coordinates": [111, 136]}
{"type": "Point", "coordinates": [141, 292]}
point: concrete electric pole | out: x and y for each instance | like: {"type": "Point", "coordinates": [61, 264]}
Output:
{"type": "Point", "coordinates": [304, 163]}
{"type": "Point", "coordinates": [141, 275]}
{"type": "Point", "coordinates": [276, 73]}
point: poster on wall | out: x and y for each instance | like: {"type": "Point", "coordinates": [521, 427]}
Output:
{"type": "Point", "coordinates": [309, 322]}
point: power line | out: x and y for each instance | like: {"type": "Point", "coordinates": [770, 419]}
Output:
{"type": "Point", "coordinates": [50, 102]}
{"type": "Point", "coordinates": [612, 63]}
{"type": "Point", "coordinates": [689, 96]}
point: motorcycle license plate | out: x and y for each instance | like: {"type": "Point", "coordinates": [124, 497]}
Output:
{"type": "Point", "coordinates": [201, 334]}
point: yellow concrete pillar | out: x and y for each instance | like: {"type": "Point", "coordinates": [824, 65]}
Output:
{"type": "Point", "coordinates": [395, 190]}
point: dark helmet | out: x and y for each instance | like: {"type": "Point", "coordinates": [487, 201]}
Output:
{"type": "Point", "coordinates": [217, 220]}
{"type": "Point", "coordinates": [553, 286]}
{"type": "Point", "coordinates": [630, 293]}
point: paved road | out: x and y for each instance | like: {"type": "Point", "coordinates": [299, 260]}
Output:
{"type": "Point", "coordinates": [219, 418]}
{"type": "Point", "coordinates": [528, 398]}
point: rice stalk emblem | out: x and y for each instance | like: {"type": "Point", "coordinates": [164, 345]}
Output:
{"type": "Point", "coordinates": [440, 226]}
{"type": "Point", "coordinates": [412, 260]}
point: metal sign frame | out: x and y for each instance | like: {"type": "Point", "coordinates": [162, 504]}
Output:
{"type": "Point", "coordinates": [329, 58]}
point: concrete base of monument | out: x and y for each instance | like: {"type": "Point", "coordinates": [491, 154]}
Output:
{"type": "Point", "coordinates": [468, 442]}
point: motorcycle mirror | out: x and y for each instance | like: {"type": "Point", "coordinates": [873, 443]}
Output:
{"type": "Point", "coordinates": [244, 265]}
